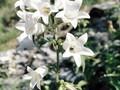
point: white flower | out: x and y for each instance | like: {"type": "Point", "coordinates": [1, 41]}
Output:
{"type": "Point", "coordinates": [36, 76]}
{"type": "Point", "coordinates": [75, 47]}
{"type": "Point", "coordinates": [58, 4]}
{"type": "Point", "coordinates": [22, 4]}
{"type": "Point", "coordinates": [71, 12]}
{"type": "Point", "coordinates": [28, 24]}
{"type": "Point", "coordinates": [43, 8]}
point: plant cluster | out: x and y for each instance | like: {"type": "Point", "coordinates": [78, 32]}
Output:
{"type": "Point", "coordinates": [46, 21]}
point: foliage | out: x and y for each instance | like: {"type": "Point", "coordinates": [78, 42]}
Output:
{"type": "Point", "coordinates": [7, 21]}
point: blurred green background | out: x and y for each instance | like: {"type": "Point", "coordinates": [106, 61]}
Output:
{"type": "Point", "coordinates": [7, 24]}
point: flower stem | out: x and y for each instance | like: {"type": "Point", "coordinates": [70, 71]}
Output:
{"type": "Point", "coordinates": [57, 56]}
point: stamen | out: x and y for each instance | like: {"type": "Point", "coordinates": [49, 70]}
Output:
{"type": "Point", "coordinates": [71, 48]}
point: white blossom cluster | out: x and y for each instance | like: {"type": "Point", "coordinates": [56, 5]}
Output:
{"type": "Point", "coordinates": [68, 11]}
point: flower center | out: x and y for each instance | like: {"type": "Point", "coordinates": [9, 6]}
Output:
{"type": "Point", "coordinates": [71, 49]}
{"type": "Point", "coordinates": [45, 10]}
{"type": "Point", "coordinates": [74, 47]}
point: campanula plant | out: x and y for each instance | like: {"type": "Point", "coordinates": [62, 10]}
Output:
{"type": "Point", "coordinates": [37, 18]}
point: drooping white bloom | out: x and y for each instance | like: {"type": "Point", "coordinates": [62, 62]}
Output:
{"type": "Point", "coordinates": [28, 24]}
{"type": "Point", "coordinates": [75, 47]}
{"type": "Point", "coordinates": [36, 76]}
{"type": "Point", "coordinates": [71, 13]}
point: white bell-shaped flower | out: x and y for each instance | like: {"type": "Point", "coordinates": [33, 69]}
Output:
{"type": "Point", "coordinates": [43, 9]}
{"type": "Point", "coordinates": [36, 76]}
{"type": "Point", "coordinates": [28, 24]}
{"type": "Point", "coordinates": [75, 47]}
{"type": "Point", "coordinates": [71, 13]}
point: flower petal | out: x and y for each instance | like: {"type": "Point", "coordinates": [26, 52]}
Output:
{"type": "Point", "coordinates": [77, 59]}
{"type": "Point", "coordinates": [58, 5]}
{"type": "Point", "coordinates": [74, 23]}
{"type": "Point", "coordinates": [86, 51]}
{"type": "Point", "coordinates": [20, 25]}
{"type": "Point", "coordinates": [42, 71]}
{"type": "Point", "coordinates": [36, 15]}
{"type": "Point", "coordinates": [83, 39]}
{"type": "Point", "coordinates": [36, 78]}
{"type": "Point", "coordinates": [83, 63]}
{"type": "Point", "coordinates": [45, 19]}
{"type": "Point", "coordinates": [21, 14]}
{"type": "Point", "coordinates": [67, 53]}
{"type": "Point", "coordinates": [26, 77]}
{"type": "Point", "coordinates": [72, 5]}
{"type": "Point", "coordinates": [33, 82]}
{"type": "Point", "coordinates": [79, 2]}
{"type": "Point", "coordinates": [30, 37]}
{"type": "Point", "coordinates": [35, 3]}
{"type": "Point", "coordinates": [60, 14]}
{"type": "Point", "coordinates": [70, 37]}
{"type": "Point", "coordinates": [38, 85]}
{"type": "Point", "coordinates": [39, 28]}
{"type": "Point", "coordinates": [17, 4]}
{"type": "Point", "coordinates": [21, 37]}
{"type": "Point", "coordinates": [65, 44]}
{"type": "Point", "coordinates": [83, 15]}
{"type": "Point", "coordinates": [29, 69]}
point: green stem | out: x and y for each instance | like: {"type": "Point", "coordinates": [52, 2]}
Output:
{"type": "Point", "coordinates": [58, 72]}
